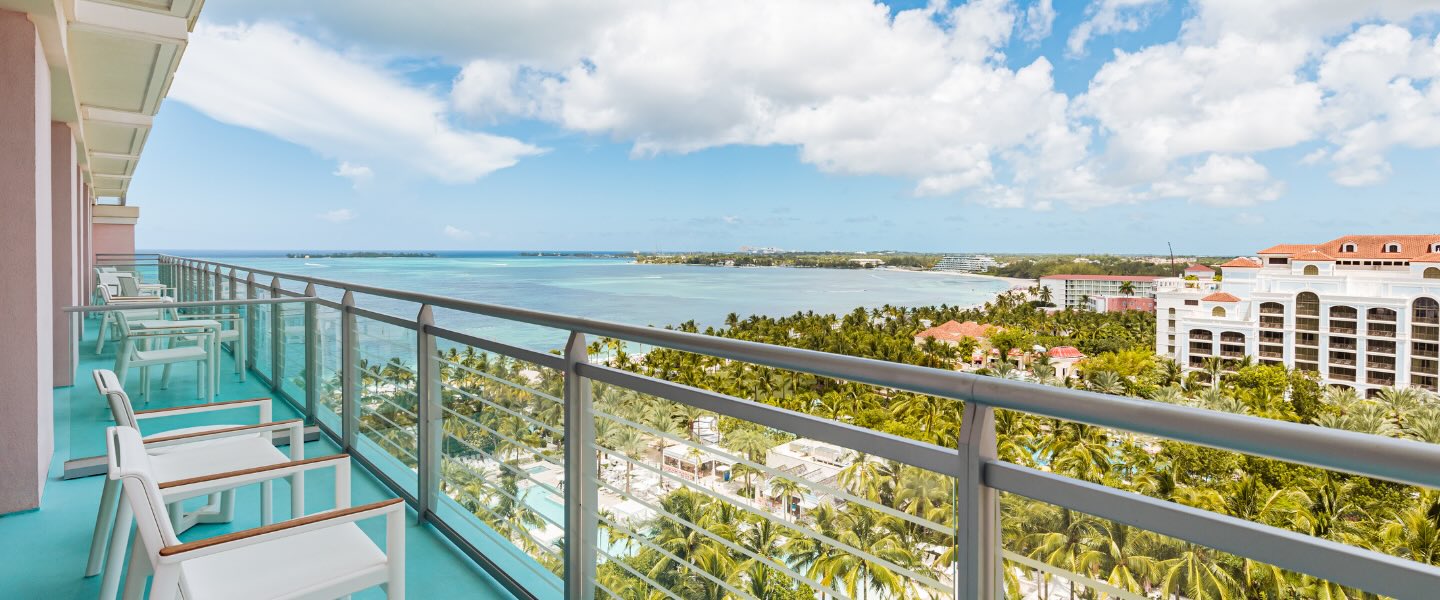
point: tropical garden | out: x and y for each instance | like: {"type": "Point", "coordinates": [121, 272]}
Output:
{"type": "Point", "coordinates": [878, 529]}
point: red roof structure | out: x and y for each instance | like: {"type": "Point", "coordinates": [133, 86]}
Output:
{"type": "Point", "coordinates": [1065, 352]}
{"type": "Point", "coordinates": [1384, 247]}
{"type": "Point", "coordinates": [1220, 297]}
{"type": "Point", "coordinates": [953, 331]}
{"type": "Point", "coordinates": [1199, 269]}
{"type": "Point", "coordinates": [1241, 263]}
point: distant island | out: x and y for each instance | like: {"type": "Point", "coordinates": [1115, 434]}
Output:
{"type": "Point", "coordinates": [814, 260]}
{"type": "Point", "coordinates": [361, 255]}
{"type": "Point", "coordinates": [582, 254]}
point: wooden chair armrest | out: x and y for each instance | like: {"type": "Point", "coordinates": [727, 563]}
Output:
{"type": "Point", "coordinates": [293, 424]}
{"type": "Point", "coordinates": [287, 467]}
{"type": "Point", "coordinates": [238, 539]}
{"type": "Point", "coordinates": [197, 408]}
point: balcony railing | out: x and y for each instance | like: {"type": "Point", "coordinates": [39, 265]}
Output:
{"type": "Point", "coordinates": [501, 453]}
{"type": "Point", "coordinates": [1350, 330]}
{"type": "Point", "coordinates": [1271, 354]}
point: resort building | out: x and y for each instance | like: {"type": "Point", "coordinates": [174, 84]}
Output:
{"type": "Point", "coordinates": [1077, 291]}
{"type": "Point", "coordinates": [1064, 360]}
{"type": "Point", "coordinates": [966, 263]}
{"type": "Point", "coordinates": [1359, 310]}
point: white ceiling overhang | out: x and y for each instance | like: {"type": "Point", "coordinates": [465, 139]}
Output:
{"type": "Point", "coordinates": [111, 63]}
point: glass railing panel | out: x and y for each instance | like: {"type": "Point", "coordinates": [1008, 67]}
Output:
{"type": "Point", "coordinates": [503, 471]}
{"type": "Point", "coordinates": [694, 504]}
{"type": "Point", "coordinates": [328, 380]}
{"type": "Point", "coordinates": [388, 413]}
{"type": "Point", "coordinates": [292, 350]}
{"type": "Point", "coordinates": [260, 325]}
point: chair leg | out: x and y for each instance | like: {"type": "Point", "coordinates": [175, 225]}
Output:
{"type": "Point", "coordinates": [165, 376]}
{"type": "Point", "coordinates": [145, 383]}
{"type": "Point", "coordinates": [166, 583]}
{"type": "Point", "coordinates": [267, 500]}
{"type": "Point", "coordinates": [136, 573]}
{"type": "Point", "coordinates": [115, 559]}
{"type": "Point", "coordinates": [104, 518]}
{"type": "Point", "coordinates": [395, 556]}
{"type": "Point", "coordinates": [102, 332]}
{"type": "Point", "coordinates": [297, 494]}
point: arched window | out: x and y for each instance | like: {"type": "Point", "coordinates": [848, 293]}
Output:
{"type": "Point", "coordinates": [1218, 312]}
{"type": "Point", "coordinates": [1201, 335]}
{"type": "Point", "coordinates": [1312, 270]}
{"type": "Point", "coordinates": [1272, 308]}
{"type": "Point", "coordinates": [1432, 273]}
{"type": "Point", "coordinates": [1343, 312]}
{"type": "Point", "coordinates": [1381, 314]}
{"type": "Point", "coordinates": [1308, 304]}
{"type": "Point", "coordinates": [1426, 311]}
{"type": "Point", "coordinates": [1347, 247]}
{"type": "Point", "coordinates": [1392, 247]}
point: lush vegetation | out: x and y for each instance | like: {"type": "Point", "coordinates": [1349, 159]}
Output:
{"type": "Point", "coordinates": [819, 260]}
{"type": "Point", "coordinates": [1035, 267]}
{"type": "Point", "coordinates": [883, 529]}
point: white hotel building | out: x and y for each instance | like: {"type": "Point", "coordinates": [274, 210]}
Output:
{"type": "Point", "coordinates": [1362, 311]}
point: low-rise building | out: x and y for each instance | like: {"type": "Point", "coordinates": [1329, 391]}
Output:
{"type": "Point", "coordinates": [1076, 291]}
{"type": "Point", "coordinates": [1064, 360]}
{"type": "Point", "coordinates": [1361, 311]}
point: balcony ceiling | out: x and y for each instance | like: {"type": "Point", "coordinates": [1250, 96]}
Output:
{"type": "Point", "coordinates": [111, 62]}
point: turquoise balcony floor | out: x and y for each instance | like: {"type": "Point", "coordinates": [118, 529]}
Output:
{"type": "Point", "coordinates": [45, 550]}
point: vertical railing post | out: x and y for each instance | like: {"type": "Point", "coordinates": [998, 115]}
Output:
{"type": "Point", "coordinates": [430, 412]}
{"type": "Point", "coordinates": [312, 355]}
{"type": "Point", "coordinates": [978, 531]}
{"type": "Point", "coordinates": [252, 322]}
{"type": "Point", "coordinates": [215, 294]}
{"type": "Point", "coordinates": [202, 281]}
{"type": "Point", "coordinates": [277, 337]}
{"type": "Point", "coordinates": [349, 372]}
{"type": "Point", "coordinates": [581, 499]}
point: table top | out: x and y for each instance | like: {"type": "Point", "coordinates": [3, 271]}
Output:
{"type": "Point", "coordinates": [168, 324]}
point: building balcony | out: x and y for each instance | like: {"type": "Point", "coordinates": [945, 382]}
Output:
{"type": "Point", "coordinates": [1381, 365]}
{"type": "Point", "coordinates": [1272, 310]}
{"type": "Point", "coordinates": [1380, 380]}
{"type": "Point", "coordinates": [1267, 324]}
{"type": "Point", "coordinates": [1385, 332]}
{"type": "Point", "coordinates": [1342, 376]}
{"type": "Point", "coordinates": [1271, 354]}
{"type": "Point", "coordinates": [1349, 362]}
{"type": "Point", "coordinates": [1345, 329]}
{"type": "Point", "coordinates": [497, 450]}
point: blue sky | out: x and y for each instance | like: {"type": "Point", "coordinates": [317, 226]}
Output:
{"type": "Point", "coordinates": [986, 126]}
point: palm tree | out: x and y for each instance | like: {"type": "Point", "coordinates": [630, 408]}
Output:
{"type": "Point", "coordinates": [1214, 368]}
{"type": "Point", "coordinates": [788, 490]}
{"type": "Point", "coordinates": [1127, 288]}
{"type": "Point", "coordinates": [870, 531]}
{"type": "Point", "coordinates": [1197, 574]}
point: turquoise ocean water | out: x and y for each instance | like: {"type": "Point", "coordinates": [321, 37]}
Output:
{"type": "Point", "coordinates": [616, 289]}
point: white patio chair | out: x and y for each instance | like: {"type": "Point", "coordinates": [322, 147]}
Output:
{"type": "Point", "coordinates": [138, 350]}
{"type": "Point", "coordinates": [181, 459]}
{"type": "Point", "coordinates": [324, 555]}
{"type": "Point", "coordinates": [105, 297]}
{"type": "Point", "coordinates": [220, 509]}
{"type": "Point", "coordinates": [232, 330]}
{"type": "Point", "coordinates": [131, 285]}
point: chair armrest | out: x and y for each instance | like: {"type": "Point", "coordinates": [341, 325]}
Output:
{"type": "Point", "coordinates": [296, 427]}
{"type": "Point", "coordinates": [133, 298]}
{"type": "Point", "coordinates": [391, 509]}
{"type": "Point", "coordinates": [205, 485]}
{"type": "Point", "coordinates": [213, 317]}
{"type": "Point", "coordinates": [263, 403]}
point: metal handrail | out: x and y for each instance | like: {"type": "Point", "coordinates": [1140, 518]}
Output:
{"type": "Point", "coordinates": [973, 464]}
{"type": "Point", "coordinates": [1413, 462]}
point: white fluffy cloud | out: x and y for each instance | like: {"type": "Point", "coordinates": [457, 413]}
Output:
{"type": "Point", "coordinates": [926, 94]}
{"type": "Point", "coordinates": [456, 233]}
{"type": "Point", "coordinates": [1107, 17]}
{"type": "Point", "coordinates": [339, 215]}
{"type": "Point", "coordinates": [358, 175]}
{"type": "Point", "coordinates": [267, 78]}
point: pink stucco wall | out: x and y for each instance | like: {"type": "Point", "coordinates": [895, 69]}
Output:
{"type": "Point", "coordinates": [26, 411]}
{"type": "Point", "coordinates": [111, 238]}
{"type": "Point", "coordinates": [64, 248]}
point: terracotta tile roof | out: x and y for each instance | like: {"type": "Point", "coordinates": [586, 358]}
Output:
{"type": "Point", "coordinates": [1366, 247]}
{"type": "Point", "coordinates": [1220, 297]}
{"type": "Point", "coordinates": [1124, 303]}
{"type": "Point", "coordinates": [1313, 255]}
{"type": "Point", "coordinates": [952, 331]}
{"type": "Point", "coordinates": [1199, 269]}
{"type": "Point", "coordinates": [1065, 352]}
{"type": "Point", "coordinates": [1433, 257]}
{"type": "Point", "coordinates": [1241, 263]}
{"type": "Point", "coordinates": [1144, 278]}
{"type": "Point", "coordinates": [1287, 249]}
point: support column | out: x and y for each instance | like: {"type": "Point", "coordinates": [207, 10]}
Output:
{"type": "Point", "coordinates": [27, 439]}
{"type": "Point", "coordinates": [65, 249]}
